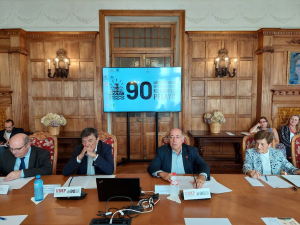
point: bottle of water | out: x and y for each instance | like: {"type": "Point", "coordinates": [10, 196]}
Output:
{"type": "Point", "coordinates": [38, 189]}
{"type": "Point", "coordinates": [174, 187]}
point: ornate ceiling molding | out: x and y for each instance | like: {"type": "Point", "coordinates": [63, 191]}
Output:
{"type": "Point", "coordinates": [59, 34]}
{"type": "Point", "coordinates": [294, 41]}
{"type": "Point", "coordinates": [220, 34]}
{"type": "Point", "coordinates": [265, 49]}
{"type": "Point", "coordinates": [286, 92]}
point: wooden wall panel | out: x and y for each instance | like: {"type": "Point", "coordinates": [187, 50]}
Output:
{"type": "Point", "coordinates": [198, 49]}
{"type": "Point", "coordinates": [72, 97]}
{"type": "Point", "coordinates": [278, 69]}
{"type": "Point", "coordinates": [229, 88]}
{"type": "Point", "coordinates": [198, 69]}
{"type": "Point", "coordinates": [198, 107]}
{"type": "Point", "coordinates": [198, 88]}
{"type": "Point", "coordinates": [235, 97]}
{"type": "Point", "coordinates": [245, 69]}
{"type": "Point", "coordinates": [4, 71]}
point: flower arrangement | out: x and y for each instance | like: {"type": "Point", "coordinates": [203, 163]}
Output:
{"type": "Point", "coordinates": [214, 117]}
{"type": "Point", "coordinates": [53, 120]}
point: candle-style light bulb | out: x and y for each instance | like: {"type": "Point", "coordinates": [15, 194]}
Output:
{"type": "Point", "coordinates": [67, 64]}
{"type": "Point", "coordinates": [234, 65]}
{"type": "Point", "coordinates": [48, 60]}
{"type": "Point", "coordinates": [226, 62]}
{"type": "Point", "coordinates": [56, 63]}
{"type": "Point", "coordinates": [217, 65]}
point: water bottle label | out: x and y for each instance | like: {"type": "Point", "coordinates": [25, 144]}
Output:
{"type": "Point", "coordinates": [174, 182]}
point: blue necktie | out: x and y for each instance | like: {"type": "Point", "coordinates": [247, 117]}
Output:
{"type": "Point", "coordinates": [22, 165]}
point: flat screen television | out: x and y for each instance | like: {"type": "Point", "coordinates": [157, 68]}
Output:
{"type": "Point", "coordinates": [142, 89]}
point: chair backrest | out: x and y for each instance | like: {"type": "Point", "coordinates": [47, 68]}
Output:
{"type": "Point", "coordinates": [48, 142]}
{"type": "Point", "coordinates": [249, 142]}
{"type": "Point", "coordinates": [111, 140]}
{"type": "Point", "coordinates": [165, 139]}
{"type": "Point", "coordinates": [295, 150]}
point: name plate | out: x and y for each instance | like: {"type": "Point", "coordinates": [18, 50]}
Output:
{"type": "Point", "coordinates": [50, 188]}
{"type": "Point", "coordinates": [202, 193]}
{"type": "Point", "coordinates": [67, 191]}
{"type": "Point", "coordinates": [4, 189]}
{"type": "Point", "coordinates": [162, 189]}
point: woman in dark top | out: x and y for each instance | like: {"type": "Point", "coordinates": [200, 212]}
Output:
{"type": "Point", "coordinates": [288, 131]}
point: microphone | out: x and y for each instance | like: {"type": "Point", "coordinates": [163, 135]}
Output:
{"type": "Point", "coordinates": [187, 157]}
{"type": "Point", "coordinates": [83, 194]}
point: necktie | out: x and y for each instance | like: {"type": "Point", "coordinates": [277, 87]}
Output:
{"type": "Point", "coordinates": [22, 165]}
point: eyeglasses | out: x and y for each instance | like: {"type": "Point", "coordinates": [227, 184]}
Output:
{"type": "Point", "coordinates": [17, 149]}
{"type": "Point", "coordinates": [262, 121]}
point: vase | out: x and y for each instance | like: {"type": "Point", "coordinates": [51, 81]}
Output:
{"type": "Point", "coordinates": [53, 130]}
{"type": "Point", "coordinates": [215, 128]}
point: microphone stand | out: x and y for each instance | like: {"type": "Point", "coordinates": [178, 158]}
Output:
{"type": "Point", "coordinates": [83, 194]}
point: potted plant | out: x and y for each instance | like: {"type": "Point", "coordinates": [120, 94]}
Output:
{"type": "Point", "coordinates": [53, 122]}
{"type": "Point", "coordinates": [215, 120]}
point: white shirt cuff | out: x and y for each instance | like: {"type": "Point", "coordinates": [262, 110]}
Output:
{"type": "Point", "coordinates": [155, 173]}
{"type": "Point", "coordinates": [94, 159]}
{"type": "Point", "coordinates": [79, 161]}
{"type": "Point", "coordinates": [204, 175]}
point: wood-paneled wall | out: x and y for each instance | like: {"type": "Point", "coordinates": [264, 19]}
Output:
{"type": "Point", "coordinates": [235, 97]}
{"type": "Point", "coordinates": [73, 97]}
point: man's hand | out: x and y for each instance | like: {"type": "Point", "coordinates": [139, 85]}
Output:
{"type": "Point", "coordinates": [13, 175]}
{"type": "Point", "coordinates": [87, 152]}
{"type": "Point", "coordinates": [166, 176]}
{"type": "Point", "coordinates": [200, 181]}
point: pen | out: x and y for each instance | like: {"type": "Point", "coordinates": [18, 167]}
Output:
{"type": "Point", "coordinates": [266, 177]}
{"type": "Point", "coordinates": [1, 218]}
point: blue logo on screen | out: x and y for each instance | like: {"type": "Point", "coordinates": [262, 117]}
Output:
{"type": "Point", "coordinates": [117, 90]}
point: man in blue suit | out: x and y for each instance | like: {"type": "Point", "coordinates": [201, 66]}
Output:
{"type": "Point", "coordinates": [92, 157]}
{"type": "Point", "coordinates": [180, 158]}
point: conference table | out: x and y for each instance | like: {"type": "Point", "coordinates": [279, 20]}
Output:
{"type": "Point", "coordinates": [244, 205]}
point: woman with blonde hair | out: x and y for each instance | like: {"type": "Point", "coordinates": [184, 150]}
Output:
{"type": "Point", "coordinates": [288, 131]}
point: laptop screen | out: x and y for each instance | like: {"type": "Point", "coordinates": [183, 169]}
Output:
{"type": "Point", "coordinates": [110, 187]}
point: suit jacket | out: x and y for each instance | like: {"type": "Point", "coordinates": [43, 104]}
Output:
{"type": "Point", "coordinates": [163, 161]}
{"type": "Point", "coordinates": [13, 132]}
{"type": "Point", "coordinates": [104, 164]}
{"type": "Point", "coordinates": [277, 161]}
{"type": "Point", "coordinates": [39, 162]}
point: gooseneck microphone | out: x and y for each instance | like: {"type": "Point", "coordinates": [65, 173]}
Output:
{"type": "Point", "coordinates": [187, 157]}
{"type": "Point", "coordinates": [83, 194]}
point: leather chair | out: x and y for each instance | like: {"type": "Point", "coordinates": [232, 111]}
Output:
{"type": "Point", "coordinates": [111, 140]}
{"type": "Point", "coordinates": [48, 142]}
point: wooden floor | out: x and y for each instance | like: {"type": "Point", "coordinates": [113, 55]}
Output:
{"type": "Point", "coordinates": [216, 167]}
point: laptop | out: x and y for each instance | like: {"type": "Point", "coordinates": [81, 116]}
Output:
{"type": "Point", "coordinates": [110, 187]}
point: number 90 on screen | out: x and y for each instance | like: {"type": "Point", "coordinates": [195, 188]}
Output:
{"type": "Point", "coordinates": [133, 90]}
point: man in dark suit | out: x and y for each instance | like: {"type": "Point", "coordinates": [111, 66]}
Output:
{"type": "Point", "coordinates": [180, 158]}
{"type": "Point", "coordinates": [92, 157]}
{"type": "Point", "coordinates": [7, 133]}
{"type": "Point", "coordinates": [22, 159]}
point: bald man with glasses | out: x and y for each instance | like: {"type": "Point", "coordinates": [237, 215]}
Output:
{"type": "Point", "coordinates": [22, 159]}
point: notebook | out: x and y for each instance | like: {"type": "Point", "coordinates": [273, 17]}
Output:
{"type": "Point", "coordinates": [110, 187]}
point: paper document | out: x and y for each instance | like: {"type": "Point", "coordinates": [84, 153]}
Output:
{"type": "Point", "coordinates": [9, 220]}
{"type": "Point", "coordinates": [17, 183]}
{"type": "Point", "coordinates": [279, 221]}
{"type": "Point", "coordinates": [275, 182]}
{"type": "Point", "coordinates": [213, 185]}
{"type": "Point", "coordinates": [207, 221]}
{"type": "Point", "coordinates": [86, 182]}
{"type": "Point", "coordinates": [295, 179]}
{"type": "Point", "coordinates": [254, 181]}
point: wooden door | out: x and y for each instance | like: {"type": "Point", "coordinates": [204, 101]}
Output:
{"type": "Point", "coordinates": [142, 124]}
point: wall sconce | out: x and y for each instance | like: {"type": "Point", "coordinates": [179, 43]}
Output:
{"type": "Point", "coordinates": [222, 63]}
{"type": "Point", "coordinates": [61, 63]}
